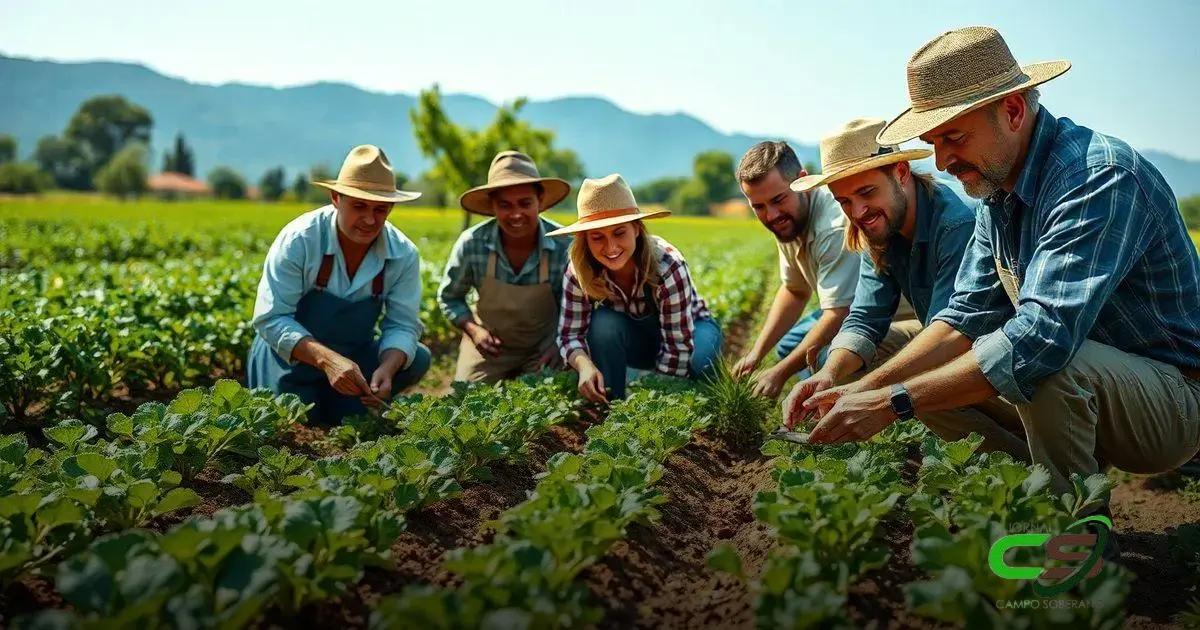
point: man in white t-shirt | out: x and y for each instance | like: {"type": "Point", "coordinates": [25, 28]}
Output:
{"type": "Point", "coordinates": [809, 230]}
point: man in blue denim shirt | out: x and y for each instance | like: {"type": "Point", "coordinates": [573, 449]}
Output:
{"type": "Point", "coordinates": [1084, 237]}
{"type": "Point", "coordinates": [914, 231]}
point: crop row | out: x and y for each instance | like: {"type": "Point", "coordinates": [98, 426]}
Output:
{"type": "Point", "coordinates": [580, 507]}
{"type": "Point", "coordinates": [312, 529]}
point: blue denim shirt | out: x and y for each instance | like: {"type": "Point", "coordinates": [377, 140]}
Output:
{"type": "Point", "coordinates": [923, 271]}
{"type": "Point", "coordinates": [291, 268]}
{"type": "Point", "coordinates": [1094, 236]}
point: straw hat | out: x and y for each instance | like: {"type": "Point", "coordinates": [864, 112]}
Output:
{"type": "Point", "coordinates": [604, 202]}
{"type": "Point", "coordinates": [851, 150]}
{"type": "Point", "coordinates": [960, 71]}
{"type": "Point", "coordinates": [367, 174]}
{"type": "Point", "coordinates": [512, 168]}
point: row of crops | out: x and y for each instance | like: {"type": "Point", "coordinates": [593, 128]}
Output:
{"type": "Point", "coordinates": [121, 311]}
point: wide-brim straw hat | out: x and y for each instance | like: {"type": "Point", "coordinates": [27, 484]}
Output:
{"type": "Point", "coordinates": [604, 202]}
{"type": "Point", "coordinates": [367, 174]}
{"type": "Point", "coordinates": [960, 71]}
{"type": "Point", "coordinates": [513, 168]}
{"type": "Point", "coordinates": [852, 149]}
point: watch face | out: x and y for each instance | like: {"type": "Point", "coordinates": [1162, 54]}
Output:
{"type": "Point", "coordinates": [902, 402]}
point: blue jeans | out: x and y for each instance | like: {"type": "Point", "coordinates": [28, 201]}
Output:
{"type": "Point", "coordinates": [794, 336]}
{"type": "Point", "coordinates": [617, 341]}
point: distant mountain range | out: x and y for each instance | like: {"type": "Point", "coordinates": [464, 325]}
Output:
{"type": "Point", "coordinates": [254, 128]}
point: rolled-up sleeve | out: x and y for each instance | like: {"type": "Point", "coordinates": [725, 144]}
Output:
{"type": "Point", "coordinates": [457, 280]}
{"type": "Point", "coordinates": [979, 304]}
{"type": "Point", "coordinates": [875, 302]}
{"type": "Point", "coordinates": [279, 290]}
{"type": "Point", "coordinates": [401, 327]}
{"type": "Point", "coordinates": [1098, 225]}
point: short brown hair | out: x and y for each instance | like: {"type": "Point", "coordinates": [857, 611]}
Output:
{"type": "Point", "coordinates": [765, 156]}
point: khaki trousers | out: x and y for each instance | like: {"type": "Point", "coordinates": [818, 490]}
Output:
{"type": "Point", "coordinates": [1107, 405]}
{"type": "Point", "coordinates": [997, 421]}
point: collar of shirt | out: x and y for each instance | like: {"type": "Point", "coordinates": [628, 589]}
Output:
{"type": "Point", "coordinates": [384, 248]}
{"type": "Point", "coordinates": [616, 289]}
{"type": "Point", "coordinates": [545, 243]}
{"type": "Point", "coordinates": [901, 249]}
{"type": "Point", "coordinates": [1041, 142]}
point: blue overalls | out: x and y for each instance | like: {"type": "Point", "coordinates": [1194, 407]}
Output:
{"type": "Point", "coordinates": [347, 328]}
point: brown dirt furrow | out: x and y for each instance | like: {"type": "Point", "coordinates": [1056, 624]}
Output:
{"type": "Point", "coordinates": [1146, 513]}
{"type": "Point", "coordinates": [658, 576]}
{"type": "Point", "coordinates": [459, 522]}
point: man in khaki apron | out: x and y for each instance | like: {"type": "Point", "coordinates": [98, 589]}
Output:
{"type": "Point", "coordinates": [514, 268]}
{"type": "Point", "coordinates": [1080, 233]}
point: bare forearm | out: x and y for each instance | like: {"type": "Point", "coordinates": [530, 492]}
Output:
{"type": "Point", "coordinates": [785, 310]}
{"type": "Point", "coordinates": [314, 353]}
{"type": "Point", "coordinates": [957, 384]}
{"type": "Point", "coordinates": [936, 345]}
{"type": "Point", "coordinates": [821, 334]}
{"type": "Point", "coordinates": [392, 360]}
{"type": "Point", "coordinates": [579, 360]}
{"type": "Point", "coordinates": [841, 364]}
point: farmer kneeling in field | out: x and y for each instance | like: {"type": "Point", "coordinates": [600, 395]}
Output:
{"type": "Point", "coordinates": [628, 300]}
{"type": "Point", "coordinates": [1079, 233]}
{"type": "Point", "coordinates": [327, 277]}
{"type": "Point", "coordinates": [515, 268]}
{"type": "Point", "coordinates": [809, 232]}
{"type": "Point", "coordinates": [914, 230]}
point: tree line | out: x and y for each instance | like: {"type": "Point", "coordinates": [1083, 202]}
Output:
{"type": "Point", "coordinates": [105, 147]}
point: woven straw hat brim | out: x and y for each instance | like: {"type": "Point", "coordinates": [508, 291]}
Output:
{"type": "Point", "coordinates": [808, 182]}
{"type": "Point", "coordinates": [583, 226]}
{"type": "Point", "coordinates": [476, 199]}
{"type": "Point", "coordinates": [395, 196]}
{"type": "Point", "coordinates": [910, 124]}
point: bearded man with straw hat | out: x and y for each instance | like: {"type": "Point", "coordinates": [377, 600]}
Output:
{"type": "Point", "coordinates": [913, 231]}
{"type": "Point", "coordinates": [327, 278]}
{"type": "Point", "coordinates": [1078, 299]}
{"type": "Point", "coordinates": [516, 269]}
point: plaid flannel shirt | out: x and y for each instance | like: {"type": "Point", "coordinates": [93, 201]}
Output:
{"type": "Point", "coordinates": [679, 307]}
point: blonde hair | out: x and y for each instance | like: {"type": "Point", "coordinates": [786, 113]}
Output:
{"type": "Point", "coordinates": [589, 271]}
{"type": "Point", "coordinates": [856, 241]}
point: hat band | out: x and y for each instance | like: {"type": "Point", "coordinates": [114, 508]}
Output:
{"type": "Point", "coordinates": [608, 214]}
{"type": "Point", "coordinates": [966, 92]}
{"type": "Point", "coordinates": [841, 164]}
{"type": "Point", "coordinates": [365, 185]}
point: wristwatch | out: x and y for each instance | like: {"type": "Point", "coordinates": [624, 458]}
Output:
{"type": "Point", "coordinates": [902, 403]}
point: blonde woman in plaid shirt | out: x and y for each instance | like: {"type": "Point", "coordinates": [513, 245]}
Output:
{"type": "Point", "coordinates": [628, 300]}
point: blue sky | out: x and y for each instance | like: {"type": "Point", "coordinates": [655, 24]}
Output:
{"type": "Point", "coordinates": [776, 68]}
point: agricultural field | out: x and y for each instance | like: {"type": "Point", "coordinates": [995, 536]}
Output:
{"type": "Point", "coordinates": [143, 485]}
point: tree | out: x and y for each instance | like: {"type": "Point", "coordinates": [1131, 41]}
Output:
{"type": "Point", "coordinates": [714, 171]}
{"type": "Point", "coordinates": [658, 190]}
{"type": "Point", "coordinates": [125, 174]}
{"type": "Point", "coordinates": [300, 187]}
{"type": "Point", "coordinates": [690, 198]}
{"type": "Point", "coordinates": [1189, 207]}
{"type": "Point", "coordinates": [105, 124]}
{"type": "Point", "coordinates": [401, 180]}
{"type": "Point", "coordinates": [317, 194]}
{"type": "Point", "coordinates": [461, 156]}
{"type": "Point", "coordinates": [23, 178]}
{"type": "Point", "coordinates": [811, 167]}
{"type": "Point", "coordinates": [65, 161]}
{"type": "Point", "coordinates": [8, 149]}
{"type": "Point", "coordinates": [271, 186]}
{"type": "Point", "coordinates": [226, 183]}
{"type": "Point", "coordinates": [180, 158]}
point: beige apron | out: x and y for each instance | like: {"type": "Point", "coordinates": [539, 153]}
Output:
{"type": "Point", "coordinates": [1009, 280]}
{"type": "Point", "coordinates": [524, 317]}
